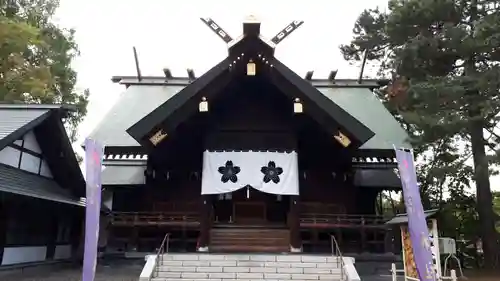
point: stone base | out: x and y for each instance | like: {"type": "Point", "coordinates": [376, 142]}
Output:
{"type": "Point", "coordinates": [202, 249]}
{"type": "Point", "coordinates": [295, 250]}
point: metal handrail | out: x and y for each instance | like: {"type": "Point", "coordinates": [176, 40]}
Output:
{"type": "Point", "coordinates": [163, 249]}
{"type": "Point", "coordinates": [338, 254]}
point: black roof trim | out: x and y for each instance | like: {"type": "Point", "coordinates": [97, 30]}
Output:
{"type": "Point", "coordinates": [62, 110]}
{"type": "Point", "coordinates": [326, 112]}
{"type": "Point", "coordinates": [36, 106]}
{"type": "Point", "coordinates": [403, 218]}
{"type": "Point", "coordinates": [47, 127]}
{"type": "Point", "coordinates": [184, 81]}
{"type": "Point", "coordinates": [60, 156]}
{"type": "Point", "coordinates": [348, 124]}
{"type": "Point", "coordinates": [15, 135]}
{"type": "Point", "coordinates": [158, 116]}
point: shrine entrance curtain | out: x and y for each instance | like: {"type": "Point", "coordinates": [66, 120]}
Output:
{"type": "Point", "coordinates": [269, 172]}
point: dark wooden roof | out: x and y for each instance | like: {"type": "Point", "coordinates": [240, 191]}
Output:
{"type": "Point", "coordinates": [18, 119]}
{"type": "Point", "coordinates": [19, 182]}
{"type": "Point", "coordinates": [135, 103]}
{"type": "Point", "coordinates": [46, 123]}
{"type": "Point", "coordinates": [403, 218]}
{"type": "Point", "coordinates": [142, 97]}
{"type": "Point", "coordinates": [178, 108]}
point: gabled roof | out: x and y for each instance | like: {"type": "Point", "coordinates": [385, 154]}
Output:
{"type": "Point", "coordinates": [155, 118]}
{"type": "Point", "coordinates": [152, 91]}
{"type": "Point", "coordinates": [132, 105]}
{"type": "Point", "coordinates": [403, 218]}
{"type": "Point", "coordinates": [17, 120]}
{"type": "Point", "coordinates": [46, 123]}
{"type": "Point", "coordinates": [250, 47]}
{"type": "Point", "coordinates": [362, 104]}
{"type": "Point", "coordinates": [177, 109]}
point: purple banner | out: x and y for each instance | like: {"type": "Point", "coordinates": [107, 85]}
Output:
{"type": "Point", "coordinates": [93, 167]}
{"type": "Point", "coordinates": [417, 225]}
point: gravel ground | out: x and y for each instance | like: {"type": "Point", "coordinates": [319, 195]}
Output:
{"type": "Point", "coordinates": [114, 271]}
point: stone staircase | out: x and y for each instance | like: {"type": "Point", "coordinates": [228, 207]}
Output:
{"type": "Point", "coordinates": [246, 267]}
{"type": "Point", "coordinates": [249, 240]}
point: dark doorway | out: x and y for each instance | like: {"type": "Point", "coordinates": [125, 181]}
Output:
{"type": "Point", "coordinates": [250, 207]}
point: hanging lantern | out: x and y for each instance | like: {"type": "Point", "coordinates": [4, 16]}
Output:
{"type": "Point", "coordinates": [203, 107]}
{"type": "Point", "coordinates": [251, 68]}
{"type": "Point", "coordinates": [297, 106]}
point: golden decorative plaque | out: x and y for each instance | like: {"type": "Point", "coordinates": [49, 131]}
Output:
{"type": "Point", "coordinates": [157, 137]}
{"type": "Point", "coordinates": [342, 139]}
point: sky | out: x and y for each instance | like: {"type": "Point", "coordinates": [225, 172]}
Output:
{"type": "Point", "coordinates": [170, 34]}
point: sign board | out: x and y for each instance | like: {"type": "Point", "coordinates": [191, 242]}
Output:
{"type": "Point", "coordinates": [447, 246]}
{"type": "Point", "coordinates": [408, 259]}
{"type": "Point", "coordinates": [417, 225]}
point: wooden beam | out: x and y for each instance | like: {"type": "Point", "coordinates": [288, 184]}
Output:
{"type": "Point", "coordinates": [205, 208]}
{"type": "Point", "coordinates": [294, 222]}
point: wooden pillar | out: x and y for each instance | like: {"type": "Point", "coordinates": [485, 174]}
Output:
{"type": "Point", "coordinates": [52, 229]}
{"type": "Point", "coordinates": [77, 233]}
{"type": "Point", "coordinates": [205, 210]}
{"type": "Point", "coordinates": [398, 244]}
{"type": "Point", "coordinates": [315, 239]}
{"type": "Point", "coordinates": [3, 225]}
{"type": "Point", "coordinates": [134, 240]}
{"type": "Point", "coordinates": [388, 245]}
{"type": "Point", "coordinates": [294, 223]}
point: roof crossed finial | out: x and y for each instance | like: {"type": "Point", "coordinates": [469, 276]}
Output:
{"type": "Point", "coordinates": [252, 20]}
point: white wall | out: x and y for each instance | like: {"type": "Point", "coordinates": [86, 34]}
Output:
{"type": "Point", "coordinates": [10, 156]}
{"type": "Point", "coordinates": [30, 163]}
{"type": "Point", "coordinates": [15, 255]}
{"type": "Point", "coordinates": [62, 252]}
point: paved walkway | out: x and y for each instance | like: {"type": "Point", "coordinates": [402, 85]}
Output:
{"type": "Point", "coordinates": [118, 271]}
{"type": "Point", "coordinates": [121, 270]}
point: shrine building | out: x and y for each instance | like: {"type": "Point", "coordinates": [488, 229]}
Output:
{"type": "Point", "coordinates": [248, 157]}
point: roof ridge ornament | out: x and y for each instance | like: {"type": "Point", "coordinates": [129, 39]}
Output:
{"type": "Point", "coordinates": [291, 27]}
{"type": "Point", "coordinates": [251, 19]}
{"type": "Point", "coordinates": [217, 30]}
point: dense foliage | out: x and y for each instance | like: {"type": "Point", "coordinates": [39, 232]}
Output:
{"type": "Point", "coordinates": [36, 56]}
{"type": "Point", "coordinates": [443, 58]}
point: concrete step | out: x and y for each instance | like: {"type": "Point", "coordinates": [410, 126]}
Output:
{"type": "Point", "coordinates": [244, 267]}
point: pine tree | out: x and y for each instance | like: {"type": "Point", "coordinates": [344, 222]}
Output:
{"type": "Point", "coordinates": [444, 58]}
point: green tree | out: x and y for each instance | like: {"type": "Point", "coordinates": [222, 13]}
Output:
{"type": "Point", "coordinates": [35, 58]}
{"type": "Point", "coordinates": [443, 56]}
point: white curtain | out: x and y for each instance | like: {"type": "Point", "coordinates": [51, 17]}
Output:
{"type": "Point", "coordinates": [270, 172]}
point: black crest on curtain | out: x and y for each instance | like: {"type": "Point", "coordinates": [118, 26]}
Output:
{"type": "Point", "coordinates": [271, 172]}
{"type": "Point", "coordinates": [229, 172]}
